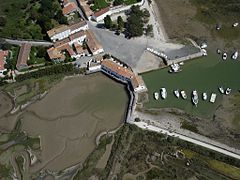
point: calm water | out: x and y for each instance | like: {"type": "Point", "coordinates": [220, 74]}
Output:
{"type": "Point", "coordinates": [204, 74]}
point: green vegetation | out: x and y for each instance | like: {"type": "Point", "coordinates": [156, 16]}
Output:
{"type": "Point", "coordinates": [15, 141]}
{"type": "Point", "coordinates": [120, 23]}
{"type": "Point", "coordinates": [52, 70]}
{"type": "Point", "coordinates": [125, 2]}
{"type": "Point", "coordinates": [219, 11]}
{"type": "Point", "coordinates": [5, 172]}
{"type": "Point", "coordinates": [189, 126]}
{"type": "Point", "coordinates": [38, 55]}
{"type": "Point", "coordinates": [99, 4]}
{"type": "Point", "coordinates": [108, 22]}
{"type": "Point", "coordinates": [27, 89]}
{"type": "Point", "coordinates": [236, 103]}
{"type": "Point", "coordinates": [136, 21]}
{"type": "Point", "coordinates": [232, 171]}
{"type": "Point", "coordinates": [29, 19]}
{"type": "Point", "coordinates": [156, 156]}
{"type": "Point", "coordinates": [89, 166]}
{"type": "Point", "coordinates": [149, 30]}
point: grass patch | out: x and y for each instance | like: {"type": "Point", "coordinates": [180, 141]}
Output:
{"type": "Point", "coordinates": [89, 167]}
{"type": "Point", "coordinates": [221, 167]}
{"type": "Point", "coordinates": [189, 126]}
{"type": "Point", "coordinates": [99, 4]}
{"type": "Point", "coordinates": [34, 87]}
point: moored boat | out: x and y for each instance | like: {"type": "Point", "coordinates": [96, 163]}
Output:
{"type": "Point", "coordinates": [235, 55]}
{"type": "Point", "coordinates": [174, 68]}
{"type": "Point", "coordinates": [183, 94]}
{"type": "Point", "coordinates": [156, 95]}
{"type": "Point", "coordinates": [204, 96]}
{"type": "Point", "coordinates": [224, 56]}
{"type": "Point", "coordinates": [176, 93]}
{"type": "Point", "coordinates": [163, 92]}
{"type": "Point", "coordinates": [235, 24]}
{"type": "Point", "coordinates": [218, 51]}
{"type": "Point", "coordinates": [228, 91]}
{"type": "Point", "coordinates": [213, 98]}
{"type": "Point", "coordinates": [221, 90]}
{"type": "Point", "coordinates": [195, 97]}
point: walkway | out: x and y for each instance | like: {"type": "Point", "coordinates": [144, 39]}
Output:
{"type": "Point", "coordinates": [224, 149]}
{"type": "Point", "coordinates": [32, 42]}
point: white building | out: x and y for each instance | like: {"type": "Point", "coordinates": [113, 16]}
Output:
{"type": "Point", "coordinates": [100, 15]}
{"type": "Point", "coordinates": [64, 31]}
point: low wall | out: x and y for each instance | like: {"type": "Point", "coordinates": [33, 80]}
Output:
{"type": "Point", "coordinates": [185, 58]}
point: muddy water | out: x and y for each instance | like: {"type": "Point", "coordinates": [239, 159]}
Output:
{"type": "Point", "coordinates": [70, 117]}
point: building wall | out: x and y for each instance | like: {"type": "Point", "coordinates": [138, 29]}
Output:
{"type": "Point", "coordinates": [67, 33]}
{"type": "Point", "coordinates": [78, 40]}
{"type": "Point", "coordinates": [83, 28]}
{"type": "Point", "coordinates": [98, 51]}
{"type": "Point", "coordinates": [61, 35]}
{"type": "Point", "coordinates": [95, 68]}
{"type": "Point", "coordinates": [100, 18]}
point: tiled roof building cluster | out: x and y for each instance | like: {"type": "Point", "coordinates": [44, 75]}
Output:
{"type": "Point", "coordinates": [68, 7]}
{"type": "Point", "coordinates": [70, 39]}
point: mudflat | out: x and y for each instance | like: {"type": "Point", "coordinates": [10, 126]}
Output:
{"type": "Point", "coordinates": [70, 117]}
{"type": "Point", "coordinates": [5, 104]}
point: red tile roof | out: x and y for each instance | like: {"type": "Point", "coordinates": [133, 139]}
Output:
{"type": "Point", "coordinates": [23, 56]}
{"type": "Point", "coordinates": [85, 7]}
{"type": "Point", "coordinates": [92, 42]}
{"type": "Point", "coordinates": [65, 2]}
{"type": "Point", "coordinates": [137, 81]}
{"type": "Point", "coordinates": [125, 72]}
{"type": "Point", "coordinates": [78, 48]}
{"type": "Point", "coordinates": [3, 54]}
{"type": "Point", "coordinates": [101, 12]}
{"type": "Point", "coordinates": [77, 25]}
{"type": "Point", "coordinates": [77, 35]}
{"type": "Point", "coordinates": [70, 7]}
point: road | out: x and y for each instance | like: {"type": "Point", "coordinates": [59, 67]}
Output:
{"type": "Point", "coordinates": [224, 150]}
{"type": "Point", "coordinates": [32, 42]}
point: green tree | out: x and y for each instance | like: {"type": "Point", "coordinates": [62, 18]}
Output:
{"type": "Point", "coordinates": [117, 2]}
{"type": "Point", "coordinates": [135, 25]}
{"type": "Point", "coordinates": [149, 30]}
{"type": "Point", "coordinates": [120, 23]}
{"type": "Point", "coordinates": [108, 22]}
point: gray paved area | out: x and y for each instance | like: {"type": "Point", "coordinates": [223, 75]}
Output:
{"type": "Point", "coordinates": [128, 51]}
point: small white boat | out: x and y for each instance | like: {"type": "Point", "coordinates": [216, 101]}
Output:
{"type": "Point", "coordinates": [228, 91]}
{"type": "Point", "coordinates": [163, 92]}
{"type": "Point", "coordinates": [235, 24]}
{"type": "Point", "coordinates": [195, 97]}
{"type": "Point", "coordinates": [221, 90]}
{"type": "Point", "coordinates": [176, 93]}
{"type": "Point", "coordinates": [203, 45]}
{"type": "Point", "coordinates": [235, 55]}
{"type": "Point", "coordinates": [213, 98]}
{"type": "Point", "coordinates": [181, 63]}
{"type": "Point", "coordinates": [204, 52]}
{"type": "Point", "coordinates": [224, 56]}
{"type": "Point", "coordinates": [218, 51]}
{"type": "Point", "coordinates": [204, 96]}
{"type": "Point", "coordinates": [183, 94]}
{"type": "Point", "coordinates": [174, 68]}
{"type": "Point", "coordinates": [156, 95]}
